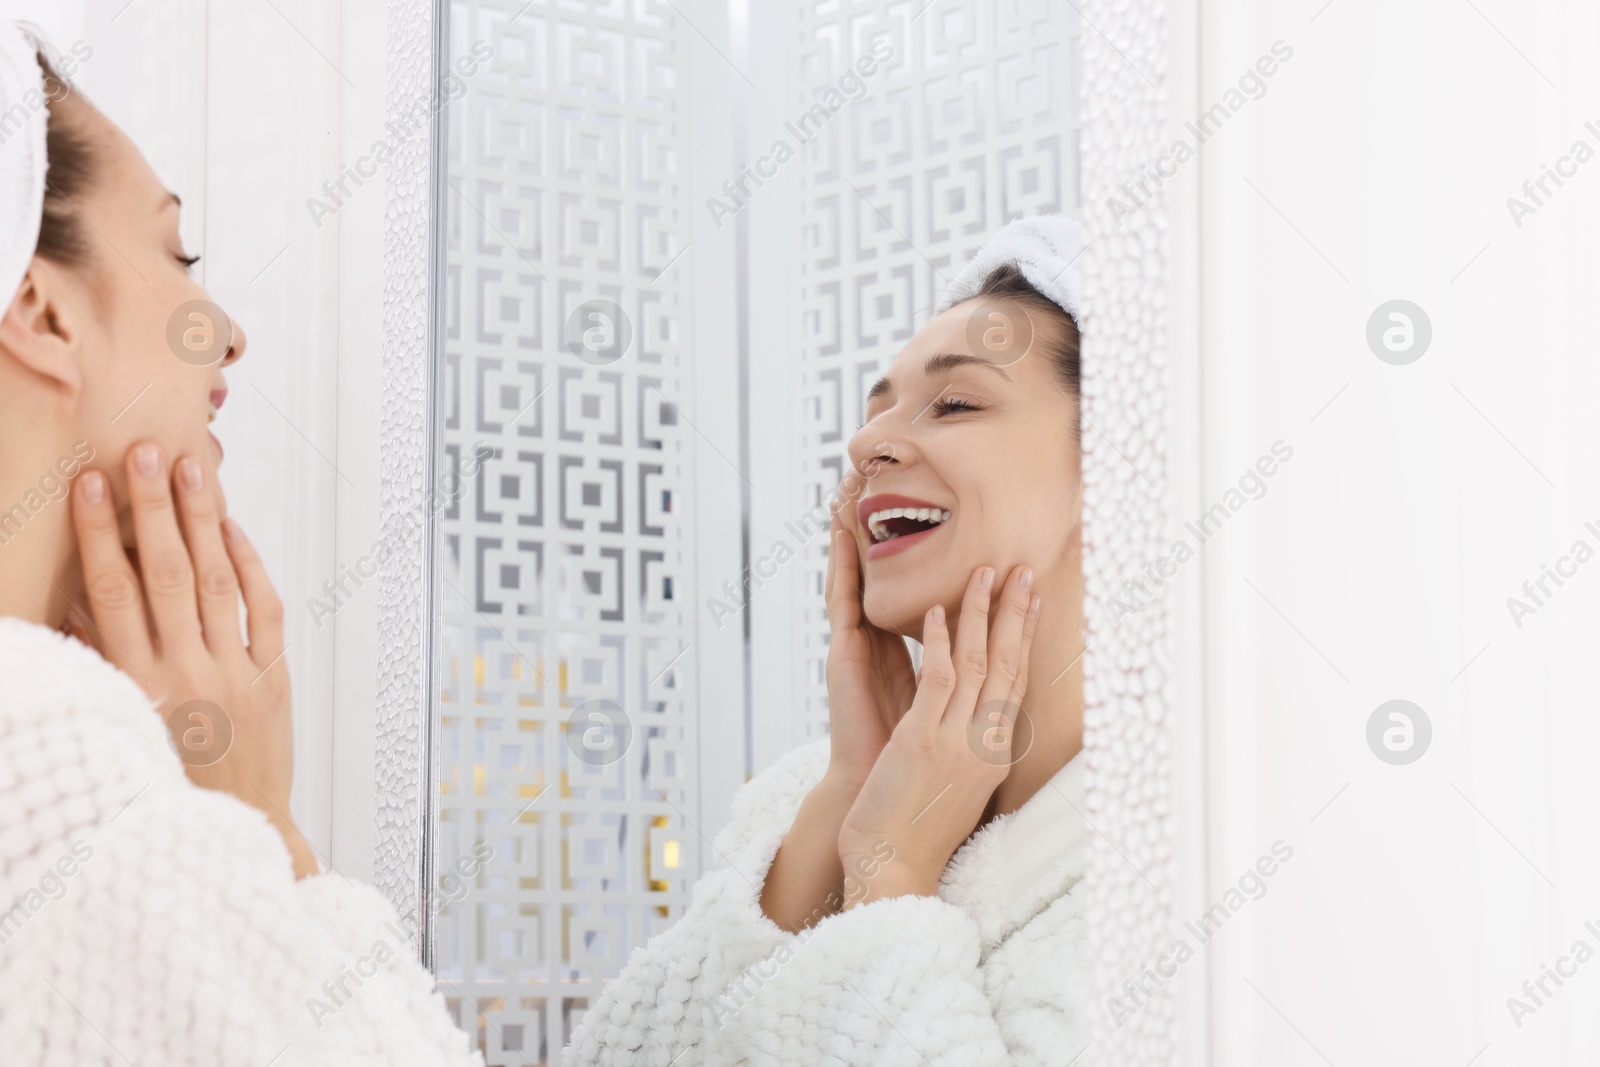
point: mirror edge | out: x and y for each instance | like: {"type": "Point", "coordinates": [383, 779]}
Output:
{"type": "Point", "coordinates": [407, 621]}
{"type": "Point", "coordinates": [1127, 663]}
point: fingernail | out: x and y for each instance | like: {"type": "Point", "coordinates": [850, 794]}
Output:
{"type": "Point", "coordinates": [1025, 582]}
{"type": "Point", "coordinates": [190, 474]}
{"type": "Point", "coordinates": [231, 531]}
{"type": "Point", "coordinates": [938, 613]}
{"type": "Point", "coordinates": [94, 487]}
{"type": "Point", "coordinates": [1033, 607]}
{"type": "Point", "coordinates": [986, 579]}
{"type": "Point", "coordinates": [147, 461]}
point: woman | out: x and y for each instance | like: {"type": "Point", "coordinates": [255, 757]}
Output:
{"type": "Point", "coordinates": [905, 891]}
{"type": "Point", "coordinates": [159, 911]}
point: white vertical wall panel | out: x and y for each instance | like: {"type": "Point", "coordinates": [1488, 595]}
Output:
{"type": "Point", "coordinates": [1378, 164]}
{"type": "Point", "coordinates": [271, 113]}
{"type": "Point", "coordinates": [360, 230]}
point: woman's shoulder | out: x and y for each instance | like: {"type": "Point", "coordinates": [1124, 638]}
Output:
{"type": "Point", "coordinates": [46, 675]}
{"type": "Point", "coordinates": [81, 744]}
{"type": "Point", "coordinates": [59, 699]}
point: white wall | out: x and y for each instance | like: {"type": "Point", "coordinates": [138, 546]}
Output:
{"type": "Point", "coordinates": [245, 110]}
{"type": "Point", "coordinates": [1378, 564]}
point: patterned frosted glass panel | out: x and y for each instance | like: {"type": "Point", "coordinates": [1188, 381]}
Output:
{"type": "Point", "coordinates": [565, 735]}
{"type": "Point", "coordinates": [971, 122]}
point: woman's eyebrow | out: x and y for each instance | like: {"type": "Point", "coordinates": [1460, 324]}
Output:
{"type": "Point", "coordinates": [938, 364]}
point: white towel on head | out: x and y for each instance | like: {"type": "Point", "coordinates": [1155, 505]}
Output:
{"type": "Point", "coordinates": [1048, 249]}
{"type": "Point", "coordinates": [24, 119]}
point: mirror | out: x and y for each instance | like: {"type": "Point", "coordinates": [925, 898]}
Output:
{"type": "Point", "coordinates": [679, 245]}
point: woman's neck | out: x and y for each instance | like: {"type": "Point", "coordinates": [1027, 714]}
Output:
{"type": "Point", "coordinates": [38, 551]}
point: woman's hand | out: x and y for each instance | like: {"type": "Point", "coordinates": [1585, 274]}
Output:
{"type": "Point", "coordinates": [950, 752]}
{"type": "Point", "coordinates": [174, 628]}
{"type": "Point", "coordinates": [869, 675]}
{"type": "Point", "coordinates": [870, 683]}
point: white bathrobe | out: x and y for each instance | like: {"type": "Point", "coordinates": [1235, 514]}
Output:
{"type": "Point", "coordinates": [149, 921]}
{"type": "Point", "coordinates": [992, 971]}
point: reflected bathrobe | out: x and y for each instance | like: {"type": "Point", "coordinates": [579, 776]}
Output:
{"type": "Point", "coordinates": [991, 971]}
{"type": "Point", "coordinates": [149, 921]}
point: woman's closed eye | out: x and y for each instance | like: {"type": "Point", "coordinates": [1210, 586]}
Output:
{"type": "Point", "coordinates": [949, 405]}
{"type": "Point", "coordinates": [188, 261]}
{"type": "Point", "coordinates": [942, 406]}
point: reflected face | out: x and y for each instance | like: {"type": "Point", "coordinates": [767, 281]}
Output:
{"type": "Point", "coordinates": [970, 458]}
{"type": "Point", "coordinates": [137, 384]}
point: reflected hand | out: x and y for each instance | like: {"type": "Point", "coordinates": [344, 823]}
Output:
{"type": "Point", "coordinates": [869, 675]}
{"type": "Point", "coordinates": [951, 751]}
{"type": "Point", "coordinates": [173, 626]}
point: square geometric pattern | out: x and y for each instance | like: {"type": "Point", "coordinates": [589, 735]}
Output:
{"type": "Point", "coordinates": [566, 734]}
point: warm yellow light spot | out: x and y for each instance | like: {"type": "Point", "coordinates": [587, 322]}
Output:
{"type": "Point", "coordinates": [477, 779]}
{"type": "Point", "coordinates": [669, 857]}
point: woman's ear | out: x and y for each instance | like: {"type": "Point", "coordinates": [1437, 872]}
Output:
{"type": "Point", "coordinates": [40, 330]}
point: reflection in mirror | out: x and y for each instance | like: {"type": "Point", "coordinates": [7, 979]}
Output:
{"type": "Point", "coordinates": [758, 431]}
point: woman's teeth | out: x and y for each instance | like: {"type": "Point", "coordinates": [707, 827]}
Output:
{"type": "Point", "coordinates": [878, 521]}
{"type": "Point", "coordinates": [213, 416]}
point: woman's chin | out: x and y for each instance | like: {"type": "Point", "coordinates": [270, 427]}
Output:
{"type": "Point", "coordinates": [901, 618]}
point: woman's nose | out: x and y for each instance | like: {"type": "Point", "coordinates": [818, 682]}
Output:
{"type": "Point", "coordinates": [236, 349]}
{"type": "Point", "coordinates": [877, 443]}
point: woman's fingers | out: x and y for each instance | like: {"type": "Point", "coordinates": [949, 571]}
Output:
{"type": "Point", "coordinates": [994, 730]}
{"type": "Point", "coordinates": [833, 561]}
{"type": "Point", "coordinates": [215, 579]}
{"type": "Point", "coordinates": [163, 557]}
{"type": "Point", "coordinates": [938, 678]}
{"type": "Point", "coordinates": [261, 601]}
{"type": "Point", "coordinates": [833, 557]}
{"type": "Point", "coordinates": [844, 579]}
{"type": "Point", "coordinates": [1005, 641]}
{"type": "Point", "coordinates": [1019, 687]}
{"type": "Point", "coordinates": [971, 652]}
{"type": "Point", "coordinates": [115, 598]}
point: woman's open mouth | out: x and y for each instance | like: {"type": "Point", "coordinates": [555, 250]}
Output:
{"type": "Point", "coordinates": [896, 523]}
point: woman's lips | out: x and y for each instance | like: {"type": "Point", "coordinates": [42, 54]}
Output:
{"type": "Point", "coordinates": [879, 549]}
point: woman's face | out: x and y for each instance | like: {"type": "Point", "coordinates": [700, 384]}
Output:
{"type": "Point", "coordinates": [150, 356]}
{"type": "Point", "coordinates": [970, 420]}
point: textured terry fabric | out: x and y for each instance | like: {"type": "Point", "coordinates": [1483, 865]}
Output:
{"type": "Point", "coordinates": [153, 922]}
{"type": "Point", "coordinates": [1047, 249]}
{"type": "Point", "coordinates": [991, 971]}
